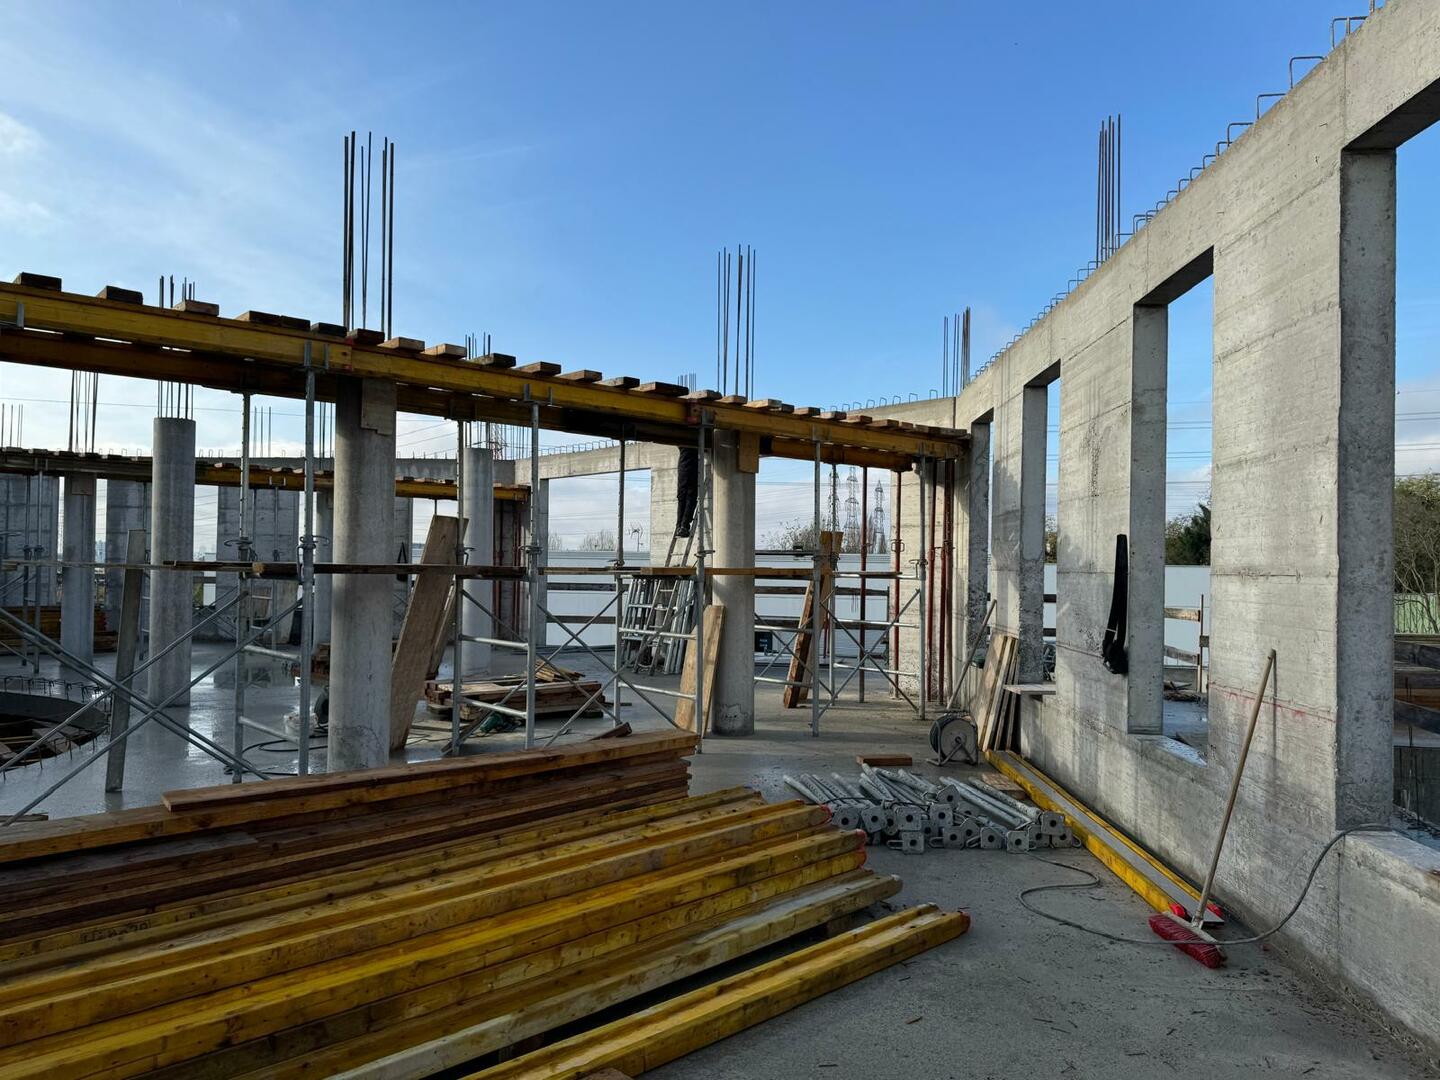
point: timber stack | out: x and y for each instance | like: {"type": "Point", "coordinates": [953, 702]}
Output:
{"type": "Point", "coordinates": [420, 918]}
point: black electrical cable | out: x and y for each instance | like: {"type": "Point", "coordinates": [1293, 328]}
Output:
{"type": "Point", "coordinates": [1095, 880]}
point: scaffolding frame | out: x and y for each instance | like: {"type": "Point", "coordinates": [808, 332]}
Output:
{"type": "Point", "coordinates": [44, 326]}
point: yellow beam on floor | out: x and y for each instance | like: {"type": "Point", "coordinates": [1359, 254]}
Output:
{"type": "Point", "coordinates": [660, 1034]}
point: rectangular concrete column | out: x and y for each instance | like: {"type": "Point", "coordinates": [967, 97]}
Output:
{"type": "Point", "coordinates": [977, 533]}
{"type": "Point", "coordinates": [1030, 569]}
{"type": "Point", "coordinates": [324, 552]}
{"type": "Point", "coordinates": [362, 621]}
{"type": "Point", "coordinates": [479, 550]}
{"type": "Point", "coordinates": [1145, 614]}
{"type": "Point", "coordinates": [664, 484]}
{"type": "Point", "coordinates": [734, 502]}
{"type": "Point", "coordinates": [127, 507]}
{"type": "Point", "coordinates": [172, 536]}
{"type": "Point", "coordinates": [77, 582]}
{"type": "Point", "coordinates": [1364, 622]}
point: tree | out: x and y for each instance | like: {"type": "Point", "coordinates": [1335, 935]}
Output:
{"type": "Point", "coordinates": [1052, 538]}
{"type": "Point", "coordinates": [1417, 548]}
{"type": "Point", "coordinates": [599, 540]}
{"type": "Point", "coordinates": [1187, 538]}
{"type": "Point", "coordinates": [800, 534]}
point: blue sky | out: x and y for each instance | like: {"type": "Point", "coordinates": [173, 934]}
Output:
{"type": "Point", "coordinates": [567, 172]}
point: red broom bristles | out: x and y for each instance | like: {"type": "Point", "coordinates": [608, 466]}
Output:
{"type": "Point", "coordinates": [1187, 941]}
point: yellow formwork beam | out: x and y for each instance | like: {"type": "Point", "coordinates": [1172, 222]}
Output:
{"type": "Point", "coordinates": [672, 1029]}
{"type": "Point", "coordinates": [168, 1034]}
{"type": "Point", "coordinates": [427, 1042]}
{"type": "Point", "coordinates": [76, 944]}
{"type": "Point", "coordinates": [140, 978]}
{"type": "Point", "coordinates": [1152, 880]}
{"type": "Point", "coordinates": [158, 344]}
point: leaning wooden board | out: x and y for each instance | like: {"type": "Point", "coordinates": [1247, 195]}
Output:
{"type": "Point", "coordinates": [714, 621]}
{"type": "Point", "coordinates": [423, 625]}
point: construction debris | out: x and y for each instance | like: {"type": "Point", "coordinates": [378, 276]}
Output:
{"type": "Point", "coordinates": [397, 922]}
{"type": "Point", "coordinates": [913, 814]}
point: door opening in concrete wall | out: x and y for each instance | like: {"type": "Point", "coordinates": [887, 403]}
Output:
{"type": "Point", "coordinates": [1037, 635]}
{"type": "Point", "coordinates": [1168, 597]}
{"type": "Point", "coordinates": [1189, 379]}
{"type": "Point", "coordinates": [1416, 730]}
{"type": "Point", "coordinates": [1053, 439]}
{"type": "Point", "coordinates": [979, 519]}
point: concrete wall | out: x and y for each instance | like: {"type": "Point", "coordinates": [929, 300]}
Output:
{"type": "Point", "coordinates": [1297, 220]}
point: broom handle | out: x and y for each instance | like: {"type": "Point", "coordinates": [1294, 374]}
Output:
{"type": "Point", "coordinates": [1234, 791]}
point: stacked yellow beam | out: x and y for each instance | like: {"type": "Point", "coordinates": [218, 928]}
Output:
{"type": "Point", "coordinates": [428, 960]}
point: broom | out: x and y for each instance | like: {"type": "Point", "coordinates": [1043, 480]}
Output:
{"type": "Point", "coordinates": [1188, 934]}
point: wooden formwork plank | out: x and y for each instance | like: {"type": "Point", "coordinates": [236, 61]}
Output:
{"type": "Point", "coordinates": [650, 1038]}
{"type": "Point", "coordinates": [359, 873]}
{"type": "Point", "coordinates": [422, 1042]}
{"type": "Point", "coordinates": [166, 1035]}
{"type": "Point", "coordinates": [714, 620]}
{"type": "Point", "coordinates": [423, 625]}
{"type": "Point", "coordinates": [137, 979]}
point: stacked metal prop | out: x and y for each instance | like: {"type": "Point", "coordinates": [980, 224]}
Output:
{"type": "Point", "coordinates": [911, 813]}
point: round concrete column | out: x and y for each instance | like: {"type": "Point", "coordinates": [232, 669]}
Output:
{"type": "Point", "coordinates": [362, 620]}
{"type": "Point", "coordinates": [734, 708]}
{"type": "Point", "coordinates": [480, 551]}
{"type": "Point", "coordinates": [172, 536]}
{"type": "Point", "coordinates": [77, 582]}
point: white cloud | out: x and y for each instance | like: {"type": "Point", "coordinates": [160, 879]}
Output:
{"type": "Point", "coordinates": [15, 138]}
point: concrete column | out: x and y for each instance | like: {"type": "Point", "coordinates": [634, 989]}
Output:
{"type": "Point", "coordinates": [1031, 563]}
{"type": "Point", "coordinates": [362, 621]}
{"type": "Point", "coordinates": [324, 552]}
{"type": "Point", "coordinates": [977, 533]}
{"type": "Point", "coordinates": [77, 583]}
{"type": "Point", "coordinates": [734, 503]}
{"type": "Point", "coordinates": [172, 536]}
{"type": "Point", "coordinates": [480, 550]}
{"type": "Point", "coordinates": [664, 482]}
{"type": "Point", "coordinates": [1145, 614]}
{"type": "Point", "coordinates": [1364, 624]}
{"type": "Point", "coordinates": [127, 507]}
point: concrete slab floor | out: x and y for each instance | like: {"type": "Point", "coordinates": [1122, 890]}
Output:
{"type": "Point", "coordinates": [1018, 996]}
